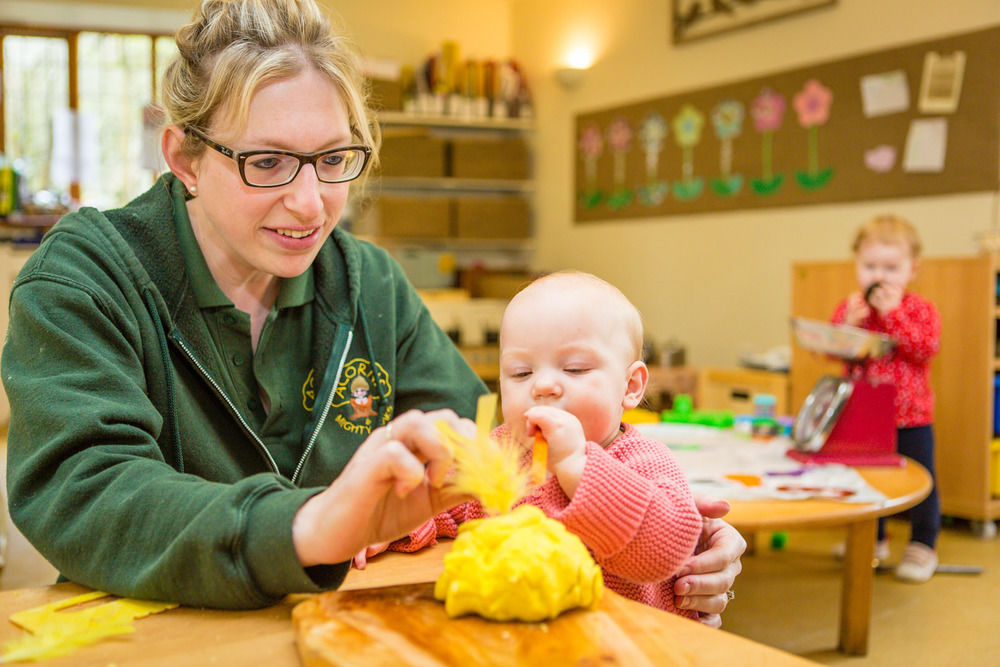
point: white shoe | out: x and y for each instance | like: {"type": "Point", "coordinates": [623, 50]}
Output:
{"type": "Point", "coordinates": [881, 551]}
{"type": "Point", "coordinates": [918, 564]}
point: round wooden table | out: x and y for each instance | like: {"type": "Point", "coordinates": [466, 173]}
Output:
{"type": "Point", "coordinates": [903, 486]}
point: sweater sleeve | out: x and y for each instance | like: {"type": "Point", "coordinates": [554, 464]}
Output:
{"type": "Point", "coordinates": [916, 327]}
{"type": "Point", "coordinates": [444, 524]}
{"type": "Point", "coordinates": [88, 483]}
{"type": "Point", "coordinates": [633, 509]}
{"type": "Point", "coordinates": [839, 313]}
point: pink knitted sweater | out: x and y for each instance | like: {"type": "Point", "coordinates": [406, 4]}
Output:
{"type": "Point", "coordinates": [633, 509]}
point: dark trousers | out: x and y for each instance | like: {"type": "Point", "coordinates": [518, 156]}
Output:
{"type": "Point", "coordinates": [917, 442]}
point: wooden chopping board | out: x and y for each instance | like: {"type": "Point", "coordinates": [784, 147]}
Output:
{"type": "Point", "coordinates": [405, 625]}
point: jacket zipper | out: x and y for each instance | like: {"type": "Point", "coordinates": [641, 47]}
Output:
{"type": "Point", "coordinates": [326, 409]}
{"type": "Point", "coordinates": [232, 407]}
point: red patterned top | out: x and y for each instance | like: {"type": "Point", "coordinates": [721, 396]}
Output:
{"type": "Point", "coordinates": [632, 509]}
{"type": "Point", "coordinates": [916, 327]}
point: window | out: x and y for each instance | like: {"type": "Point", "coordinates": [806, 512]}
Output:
{"type": "Point", "coordinates": [35, 83]}
{"type": "Point", "coordinates": [78, 115]}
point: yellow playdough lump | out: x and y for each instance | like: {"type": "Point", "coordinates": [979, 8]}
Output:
{"type": "Point", "coordinates": [518, 566]}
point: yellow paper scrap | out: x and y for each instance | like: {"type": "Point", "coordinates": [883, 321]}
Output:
{"type": "Point", "coordinates": [56, 632]}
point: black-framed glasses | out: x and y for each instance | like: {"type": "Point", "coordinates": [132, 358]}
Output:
{"type": "Point", "coordinates": [273, 168]}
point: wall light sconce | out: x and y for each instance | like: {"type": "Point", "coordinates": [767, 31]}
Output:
{"type": "Point", "coordinates": [570, 77]}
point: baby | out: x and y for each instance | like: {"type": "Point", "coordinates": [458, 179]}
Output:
{"type": "Point", "coordinates": [570, 365]}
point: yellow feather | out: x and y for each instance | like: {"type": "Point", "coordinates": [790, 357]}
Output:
{"type": "Point", "coordinates": [486, 468]}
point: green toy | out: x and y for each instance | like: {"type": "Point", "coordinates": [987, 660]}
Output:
{"type": "Point", "coordinates": [684, 413]}
{"type": "Point", "coordinates": [778, 540]}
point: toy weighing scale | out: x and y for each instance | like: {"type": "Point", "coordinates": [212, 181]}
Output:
{"type": "Point", "coordinates": [848, 420]}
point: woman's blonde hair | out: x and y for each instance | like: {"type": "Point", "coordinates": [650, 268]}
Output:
{"type": "Point", "coordinates": [233, 47]}
{"type": "Point", "coordinates": [889, 229]}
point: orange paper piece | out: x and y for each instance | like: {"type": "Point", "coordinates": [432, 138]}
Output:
{"type": "Point", "coordinates": [745, 480]}
{"type": "Point", "coordinates": [539, 459]}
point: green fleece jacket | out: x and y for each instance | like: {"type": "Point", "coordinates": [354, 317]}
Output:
{"type": "Point", "coordinates": [130, 469]}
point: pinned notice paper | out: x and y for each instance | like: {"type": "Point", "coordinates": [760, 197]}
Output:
{"type": "Point", "coordinates": [885, 93]}
{"type": "Point", "coordinates": [941, 85]}
{"type": "Point", "coordinates": [926, 144]}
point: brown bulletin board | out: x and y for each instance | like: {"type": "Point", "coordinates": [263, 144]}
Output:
{"type": "Point", "coordinates": [832, 161]}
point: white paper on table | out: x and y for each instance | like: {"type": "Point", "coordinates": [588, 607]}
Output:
{"type": "Point", "coordinates": [926, 144]}
{"type": "Point", "coordinates": [708, 456]}
{"type": "Point", "coordinates": [885, 93]}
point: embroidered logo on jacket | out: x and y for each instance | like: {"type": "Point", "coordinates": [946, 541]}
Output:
{"type": "Point", "coordinates": [361, 385]}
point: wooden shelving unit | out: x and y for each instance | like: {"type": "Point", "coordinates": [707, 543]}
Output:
{"type": "Point", "coordinates": [445, 198]}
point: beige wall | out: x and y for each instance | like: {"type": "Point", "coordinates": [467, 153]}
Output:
{"type": "Point", "coordinates": [718, 282]}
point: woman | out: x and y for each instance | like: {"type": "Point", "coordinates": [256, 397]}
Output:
{"type": "Point", "coordinates": [180, 370]}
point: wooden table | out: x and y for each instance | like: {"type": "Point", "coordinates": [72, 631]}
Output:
{"type": "Point", "coordinates": [904, 487]}
{"type": "Point", "coordinates": [186, 636]}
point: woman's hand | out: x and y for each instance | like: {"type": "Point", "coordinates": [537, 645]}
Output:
{"type": "Point", "coordinates": [392, 484]}
{"type": "Point", "coordinates": [361, 560]}
{"type": "Point", "coordinates": [704, 582]}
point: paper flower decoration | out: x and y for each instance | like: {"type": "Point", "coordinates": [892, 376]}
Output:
{"type": "Point", "coordinates": [652, 134]}
{"type": "Point", "coordinates": [591, 146]}
{"type": "Point", "coordinates": [619, 139]}
{"type": "Point", "coordinates": [812, 104]}
{"type": "Point", "coordinates": [768, 111]}
{"type": "Point", "coordinates": [688, 124]}
{"type": "Point", "coordinates": [727, 119]}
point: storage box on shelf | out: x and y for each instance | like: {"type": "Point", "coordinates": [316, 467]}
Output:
{"type": "Point", "coordinates": [386, 94]}
{"type": "Point", "coordinates": [492, 217]}
{"type": "Point", "coordinates": [481, 168]}
{"type": "Point", "coordinates": [413, 152]}
{"type": "Point", "coordinates": [492, 157]}
{"type": "Point", "coordinates": [416, 216]}
{"type": "Point", "coordinates": [964, 289]}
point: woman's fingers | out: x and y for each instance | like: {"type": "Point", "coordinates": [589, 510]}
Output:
{"type": "Point", "coordinates": [419, 433]}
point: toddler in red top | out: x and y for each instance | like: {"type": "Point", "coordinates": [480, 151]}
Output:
{"type": "Point", "coordinates": [570, 365]}
{"type": "Point", "coordinates": [886, 252]}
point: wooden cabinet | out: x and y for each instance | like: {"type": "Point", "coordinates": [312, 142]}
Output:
{"type": "Point", "coordinates": [453, 182]}
{"type": "Point", "coordinates": [733, 389]}
{"type": "Point", "coordinates": [964, 289]}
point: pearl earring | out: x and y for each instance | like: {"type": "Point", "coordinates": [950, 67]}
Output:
{"type": "Point", "coordinates": [193, 190]}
